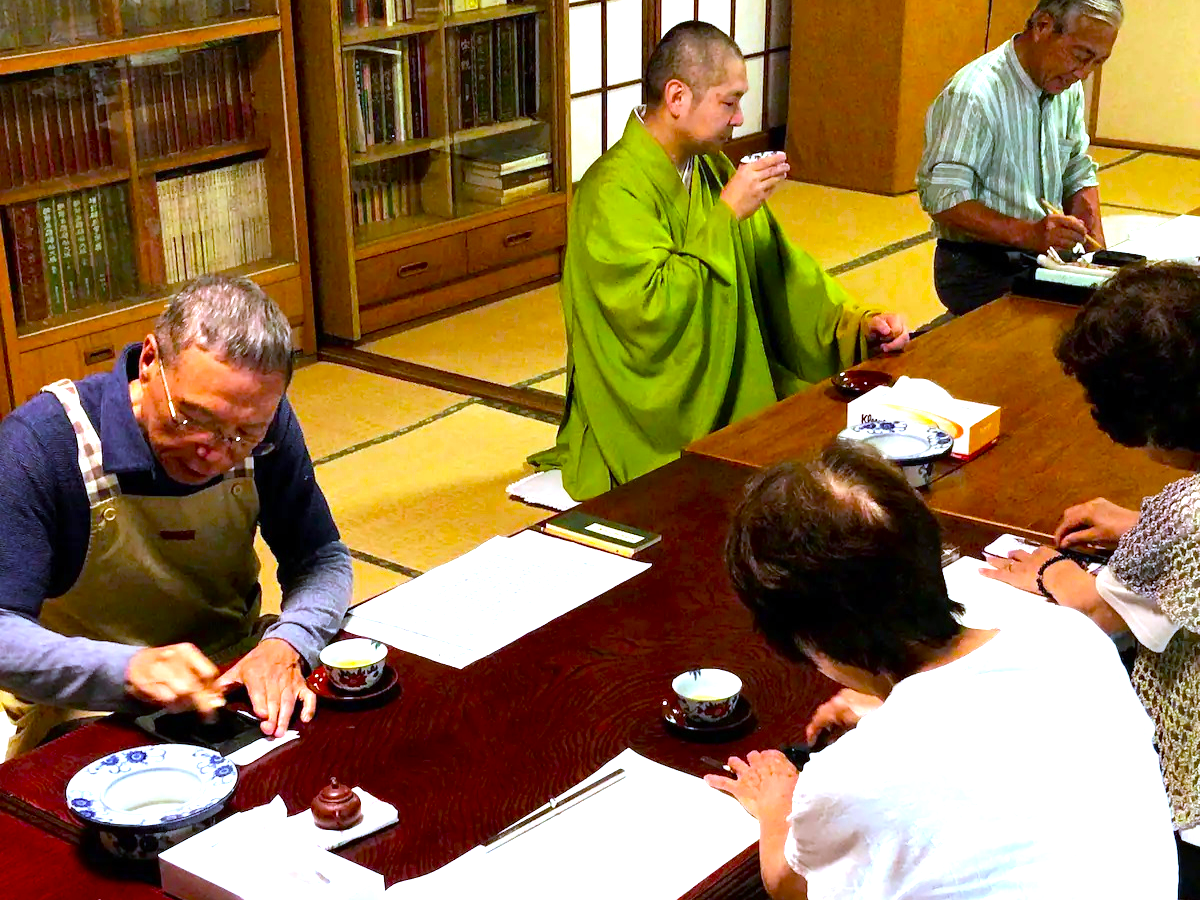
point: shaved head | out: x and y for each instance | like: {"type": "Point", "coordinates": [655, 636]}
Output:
{"type": "Point", "coordinates": [695, 53]}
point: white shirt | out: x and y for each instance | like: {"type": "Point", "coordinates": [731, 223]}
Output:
{"type": "Point", "coordinates": [1023, 770]}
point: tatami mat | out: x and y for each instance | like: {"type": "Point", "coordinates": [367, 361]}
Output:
{"type": "Point", "coordinates": [556, 384]}
{"type": "Point", "coordinates": [369, 579]}
{"type": "Point", "coordinates": [339, 407]}
{"type": "Point", "coordinates": [1154, 181]}
{"type": "Point", "coordinates": [1106, 156]}
{"type": "Point", "coordinates": [901, 282]}
{"type": "Point", "coordinates": [1121, 223]}
{"type": "Point", "coordinates": [836, 226]}
{"type": "Point", "coordinates": [436, 492]}
{"type": "Point", "coordinates": [504, 342]}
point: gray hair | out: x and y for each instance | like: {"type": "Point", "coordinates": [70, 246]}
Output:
{"type": "Point", "coordinates": [1067, 12]}
{"type": "Point", "coordinates": [232, 318]}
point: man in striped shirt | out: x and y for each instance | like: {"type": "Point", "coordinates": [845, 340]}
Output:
{"type": "Point", "coordinates": [1005, 139]}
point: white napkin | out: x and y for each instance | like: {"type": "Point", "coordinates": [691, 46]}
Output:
{"type": "Point", "coordinates": [260, 748]}
{"type": "Point", "coordinates": [377, 815]}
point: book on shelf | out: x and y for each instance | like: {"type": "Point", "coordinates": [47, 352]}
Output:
{"type": "Point", "coordinates": [55, 124]}
{"type": "Point", "coordinates": [382, 192]}
{"type": "Point", "coordinates": [214, 220]}
{"type": "Point", "coordinates": [502, 154]}
{"type": "Point", "coordinates": [365, 13]}
{"type": "Point", "coordinates": [497, 71]}
{"type": "Point", "coordinates": [476, 176]}
{"type": "Point", "coordinates": [504, 196]}
{"type": "Point", "coordinates": [147, 15]}
{"type": "Point", "coordinates": [190, 100]}
{"type": "Point", "coordinates": [481, 65]}
{"type": "Point", "coordinates": [585, 528]}
{"type": "Point", "coordinates": [386, 100]}
{"type": "Point", "coordinates": [70, 251]}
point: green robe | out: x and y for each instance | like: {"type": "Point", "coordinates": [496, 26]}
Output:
{"type": "Point", "coordinates": [679, 319]}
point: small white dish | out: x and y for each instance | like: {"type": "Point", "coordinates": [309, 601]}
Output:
{"type": "Point", "coordinates": [910, 445]}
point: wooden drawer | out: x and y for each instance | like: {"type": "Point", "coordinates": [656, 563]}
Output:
{"type": "Point", "coordinates": [78, 357]}
{"type": "Point", "coordinates": [505, 242]}
{"type": "Point", "coordinates": [401, 272]}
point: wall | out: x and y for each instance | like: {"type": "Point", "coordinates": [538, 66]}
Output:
{"type": "Point", "coordinates": [1150, 89]}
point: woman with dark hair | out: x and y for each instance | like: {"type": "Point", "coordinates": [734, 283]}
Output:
{"type": "Point", "coordinates": [1135, 349]}
{"type": "Point", "coordinates": [958, 779]}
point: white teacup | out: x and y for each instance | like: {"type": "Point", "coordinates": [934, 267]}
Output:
{"type": "Point", "coordinates": [707, 695]}
{"type": "Point", "coordinates": [354, 665]}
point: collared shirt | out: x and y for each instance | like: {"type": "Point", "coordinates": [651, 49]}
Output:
{"type": "Point", "coordinates": [45, 525]}
{"type": "Point", "coordinates": [992, 135]}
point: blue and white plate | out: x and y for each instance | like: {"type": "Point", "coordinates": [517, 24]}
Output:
{"type": "Point", "coordinates": [904, 442]}
{"type": "Point", "coordinates": [156, 787]}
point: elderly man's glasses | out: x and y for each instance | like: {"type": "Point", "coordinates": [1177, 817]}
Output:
{"type": "Point", "coordinates": [238, 443]}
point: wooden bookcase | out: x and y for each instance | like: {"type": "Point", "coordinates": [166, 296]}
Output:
{"type": "Point", "coordinates": [130, 96]}
{"type": "Point", "coordinates": [436, 248]}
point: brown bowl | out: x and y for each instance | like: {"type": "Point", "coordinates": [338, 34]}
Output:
{"type": "Point", "coordinates": [854, 382]}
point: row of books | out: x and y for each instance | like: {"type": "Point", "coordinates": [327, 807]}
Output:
{"type": "Point", "coordinates": [187, 101]}
{"type": "Point", "coordinates": [498, 71]}
{"type": "Point", "coordinates": [214, 220]}
{"type": "Point", "coordinates": [385, 191]}
{"type": "Point", "coordinates": [461, 6]}
{"type": "Point", "coordinates": [506, 168]}
{"type": "Point", "coordinates": [386, 95]}
{"type": "Point", "coordinates": [53, 125]}
{"type": "Point", "coordinates": [365, 13]}
{"type": "Point", "coordinates": [35, 23]}
{"type": "Point", "coordinates": [71, 251]}
{"type": "Point", "coordinates": [147, 15]}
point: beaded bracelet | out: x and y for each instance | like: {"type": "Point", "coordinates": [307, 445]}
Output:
{"type": "Point", "coordinates": [1041, 585]}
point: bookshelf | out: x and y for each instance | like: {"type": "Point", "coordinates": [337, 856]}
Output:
{"type": "Point", "coordinates": [142, 142]}
{"type": "Point", "coordinates": [435, 146]}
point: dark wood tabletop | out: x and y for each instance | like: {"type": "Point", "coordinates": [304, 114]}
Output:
{"type": "Point", "coordinates": [462, 754]}
{"type": "Point", "coordinates": [1050, 453]}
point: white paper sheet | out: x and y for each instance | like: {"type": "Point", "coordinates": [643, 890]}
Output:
{"type": "Point", "coordinates": [989, 603]}
{"type": "Point", "coordinates": [543, 489]}
{"type": "Point", "coordinates": [652, 836]}
{"type": "Point", "coordinates": [1177, 238]}
{"type": "Point", "coordinates": [489, 597]}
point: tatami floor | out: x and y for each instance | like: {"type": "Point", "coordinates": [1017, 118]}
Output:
{"type": "Point", "coordinates": [416, 476]}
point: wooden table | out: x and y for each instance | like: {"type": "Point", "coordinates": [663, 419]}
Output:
{"type": "Point", "coordinates": [1050, 453]}
{"type": "Point", "coordinates": [464, 753]}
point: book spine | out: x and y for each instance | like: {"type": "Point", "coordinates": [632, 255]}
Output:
{"type": "Point", "coordinates": [59, 100]}
{"type": "Point", "coordinates": [200, 91]}
{"type": "Point", "coordinates": [101, 265]}
{"type": "Point", "coordinates": [399, 81]}
{"type": "Point", "coordinates": [505, 73]}
{"type": "Point", "coordinates": [49, 232]}
{"type": "Point", "coordinates": [81, 250]}
{"type": "Point", "coordinates": [233, 103]}
{"type": "Point", "coordinates": [481, 50]}
{"type": "Point", "coordinates": [387, 78]}
{"type": "Point", "coordinates": [368, 106]}
{"type": "Point", "coordinates": [66, 250]}
{"type": "Point", "coordinates": [118, 238]}
{"type": "Point", "coordinates": [378, 123]}
{"type": "Point", "coordinates": [529, 67]}
{"type": "Point", "coordinates": [189, 105]}
{"type": "Point", "coordinates": [9, 27]}
{"type": "Point", "coordinates": [216, 120]}
{"type": "Point", "coordinates": [417, 88]}
{"type": "Point", "coordinates": [27, 248]}
{"type": "Point", "coordinates": [172, 78]}
{"type": "Point", "coordinates": [216, 59]}
{"type": "Point", "coordinates": [355, 133]}
{"type": "Point", "coordinates": [364, 14]}
{"type": "Point", "coordinates": [78, 110]}
{"type": "Point", "coordinates": [466, 80]}
{"type": "Point", "coordinates": [35, 24]}
{"type": "Point", "coordinates": [10, 150]}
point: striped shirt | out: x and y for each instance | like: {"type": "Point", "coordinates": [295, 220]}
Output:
{"type": "Point", "coordinates": [982, 143]}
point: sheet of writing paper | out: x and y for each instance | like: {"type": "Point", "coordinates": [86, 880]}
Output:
{"type": "Point", "coordinates": [653, 835]}
{"type": "Point", "coordinates": [989, 603]}
{"type": "Point", "coordinates": [1177, 238]}
{"type": "Point", "coordinates": [489, 597]}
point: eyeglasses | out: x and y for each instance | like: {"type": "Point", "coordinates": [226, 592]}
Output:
{"type": "Point", "coordinates": [238, 443]}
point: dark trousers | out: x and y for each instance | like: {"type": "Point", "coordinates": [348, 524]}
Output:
{"type": "Point", "coordinates": [1189, 870]}
{"type": "Point", "coordinates": [969, 275]}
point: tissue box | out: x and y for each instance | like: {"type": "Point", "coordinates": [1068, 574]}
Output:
{"type": "Point", "coordinates": [974, 426]}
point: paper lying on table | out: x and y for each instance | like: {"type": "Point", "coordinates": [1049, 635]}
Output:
{"type": "Point", "coordinates": [256, 750]}
{"type": "Point", "coordinates": [989, 603]}
{"type": "Point", "coordinates": [1177, 238]}
{"type": "Point", "coordinates": [653, 836]}
{"type": "Point", "coordinates": [489, 597]}
{"type": "Point", "coordinates": [543, 489]}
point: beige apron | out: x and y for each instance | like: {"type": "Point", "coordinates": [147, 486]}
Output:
{"type": "Point", "coordinates": [158, 571]}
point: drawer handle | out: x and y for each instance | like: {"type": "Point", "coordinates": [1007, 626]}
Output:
{"type": "Point", "coordinates": [521, 237]}
{"type": "Point", "coordinates": [95, 357]}
{"type": "Point", "coordinates": [411, 269]}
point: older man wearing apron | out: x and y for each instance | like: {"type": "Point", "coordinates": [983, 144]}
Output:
{"type": "Point", "coordinates": [129, 504]}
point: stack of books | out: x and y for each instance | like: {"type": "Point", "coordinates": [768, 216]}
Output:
{"type": "Point", "coordinates": [144, 15]}
{"type": "Point", "coordinates": [52, 125]}
{"type": "Point", "coordinates": [214, 220]}
{"type": "Point", "coordinates": [386, 96]}
{"type": "Point", "coordinates": [71, 251]}
{"type": "Point", "coordinates": [187, 101]}
{"type": "Point", "coordinates": [504, 169]}
{"type": "Point", "coordinates": [365, 13]}
{"type": "Point", "coordinates": [383, 192]}
{"type": "Point", "coordinates": [34, 23]}
{"type": "Point", "coordinates": [497, 71]}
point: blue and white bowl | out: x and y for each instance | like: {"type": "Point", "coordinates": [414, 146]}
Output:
{"type": "Point", "coordinates": [911, 445]}
{"type": "Point", "coordinates": [144, 800]}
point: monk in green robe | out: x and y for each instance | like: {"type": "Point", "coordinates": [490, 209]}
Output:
{"type": "Point", "coordinates": [686, 306]}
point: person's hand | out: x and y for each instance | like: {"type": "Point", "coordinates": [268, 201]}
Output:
{"type": "Point", "coordinates": [1068, 583]}
{"type": "Point", "coordinates": [843, 710]}
{"type": "Point", "coordinates": [1098, 521]}
{"type": "Point", "coordinates": [177, 676]}
{"type": "Point", "coordinates": [753, 183]}
{"type": "Point", "coordinates": [1060, 232]}
{"type": "Point", "coordinates": [273, 679]}
{"type": "Point", "coordinates": [763, 784]}
{"type": "Point", "coordinates": [888, 331]}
